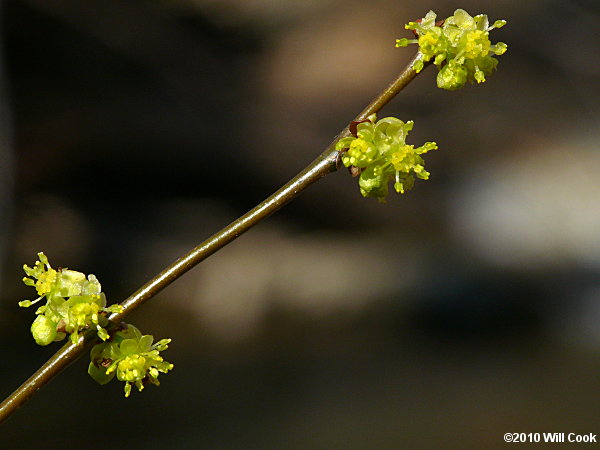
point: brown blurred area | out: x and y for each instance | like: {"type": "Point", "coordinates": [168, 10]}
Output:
{"type": "Point", "coordinates": [463, 310]}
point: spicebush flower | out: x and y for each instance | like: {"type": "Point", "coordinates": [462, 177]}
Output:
{"type": "Point", "coordinates": [380, 152]}
{"type": "Point", "coordinates": [459, 46]}
{"type": "Point", "coordinates": [130, 356]}
{"type": "Point", "coordinates": [73, 302]}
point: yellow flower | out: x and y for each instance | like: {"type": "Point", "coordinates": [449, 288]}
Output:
{"type": "Point", "coordinates": [132, 357]}
{"type": "Point", "coordinates": [459, 46]}
{"type": "Point", "coordinates": [380, 152]}
{"type": "Point", "coordinates": [73, 302]}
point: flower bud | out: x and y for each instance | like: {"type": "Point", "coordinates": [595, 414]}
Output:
{"type": "Point", "coordinates": [452, 77]}
{"type": "Point", "coordinates": [43, 330]}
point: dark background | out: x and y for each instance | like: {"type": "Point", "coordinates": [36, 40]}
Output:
{"type": "Point", "coordinates": [463, 310]}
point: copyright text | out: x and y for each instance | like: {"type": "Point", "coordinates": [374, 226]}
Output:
{"type": "Point", "coordinates": [550, 437]}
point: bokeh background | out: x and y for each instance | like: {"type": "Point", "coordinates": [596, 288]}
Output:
{"type": "Point", "coordinates": [468, 308]}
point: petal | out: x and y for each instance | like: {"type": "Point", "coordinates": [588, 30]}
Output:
{"type": "Point", "coordinates": [99, 374]}
{"type": "Point", "coordinates": [129, 346]}
{"type": "Point", "coordinates": [145, 343]}
{"type": "Point", "coordinates": [463, 19]}
{"type": "Point", "coordinates": [344, 143]}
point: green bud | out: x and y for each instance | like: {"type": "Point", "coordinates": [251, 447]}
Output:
{"type": "Point", "coordinates": [43, 330]}
{"type": "Point", "coordinates": [452, 77]}
{"type": "Point", "coordinates": [373, 182]}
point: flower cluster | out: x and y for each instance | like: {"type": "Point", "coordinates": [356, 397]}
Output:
{"type": "Point", "coordinates": [130, 356]}
{"type": "Point", "coordinates": [459, 46]}
{"type": "Point", "coordinates": [73, 302]}
{"type": "Point", "coordinates": [379, 151]}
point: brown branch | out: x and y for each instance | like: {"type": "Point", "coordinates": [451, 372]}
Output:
{"type": "Point", "coordinates": [326, 163]}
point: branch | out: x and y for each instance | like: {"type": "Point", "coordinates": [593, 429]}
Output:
{"type": "Point", "coordinates": [326, 163]}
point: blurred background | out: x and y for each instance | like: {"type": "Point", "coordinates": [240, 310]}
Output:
{"type": "Point", "coordinates": [465, 309]}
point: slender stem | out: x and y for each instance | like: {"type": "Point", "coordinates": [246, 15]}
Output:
{"type": "Point", "coordinates": [326, 163]}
